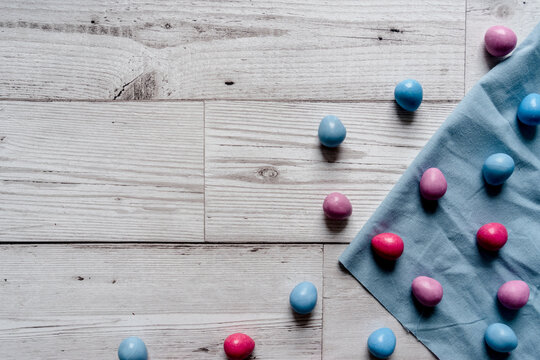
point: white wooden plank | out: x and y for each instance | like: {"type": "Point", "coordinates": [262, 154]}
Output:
{"type": "Point", "coordinates": [519, 15]}
{"type": "Point", "coordinates": [267, 175]}
{"type": "Point", "coordinates": [351, 314]}
{"type": "Point", "coordinates": [79, 301]}
{"type": "Point", "coordinates": [80, 171]}
{"type": "Point", "coordinates": [269, 49]}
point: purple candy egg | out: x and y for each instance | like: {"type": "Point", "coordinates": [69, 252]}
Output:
{"type": "Point", "coordinates": [336, 206]}
{"type": "Point", "coordinates": [427, 291]}
{"type": "Point", "coordinates": [514, 294]}
{"type": "Point", "coordinates": [500, 40]}
{"type": "Point", "coordinates": [433, 184]}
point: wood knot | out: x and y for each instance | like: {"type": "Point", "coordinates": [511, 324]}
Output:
{"type": "Point", "coordinates": [502, 11]}
{"type": "Point", "coordinates": [268, 173]}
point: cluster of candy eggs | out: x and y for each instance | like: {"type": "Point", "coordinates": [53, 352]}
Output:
{"type": "Point", "coordinates": [499, 42]}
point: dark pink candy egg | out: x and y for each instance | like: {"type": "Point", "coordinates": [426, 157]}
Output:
{"type": "Point", "coordinates": [500, 40]}
{"type": "Point", "coordinates": [433, 184]}
{"type": "Point", "coordinates": [492, 236]}
{"type": "Point", "coordinates": [336, 206]}
{"type": "Point", "coordinates": [514, 294]}
{"type": "Point", "coordinates": [238, 346]}
{"type": "Point", "coordinates": [427, 291]}
{"type": "Point", "coordinates": [389, 246]}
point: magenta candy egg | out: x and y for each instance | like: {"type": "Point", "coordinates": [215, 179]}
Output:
{"type": "Point", "coordinates": [514, 294]}
{"type": "Point", "coordinates": [427, 291]}
{"type": "Point", "coordinates": [387, 245]}
{"type": "Point", "coordinates": [336, 206]}
{"type": "Point", "coordinates": [238, 346]}
{"type": "Point", "coordinates": [433, 184]}
{"type": "Point", "coordinates": [500, 40]}
{"type": "Point", "coordinates": [492, 236]}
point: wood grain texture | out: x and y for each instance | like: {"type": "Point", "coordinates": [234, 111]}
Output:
{"type": "Point", "coordinates": [351, 314]}
{"type": "Point", "coordinates": [245, 49]}
{"type": "Point", "coordinates": [521, 16]}
{"type": "Point", "coordinates": [80, 171]}
{"type": "Point", "coordinates": [267, 175]}
{"type": "Point", "coordinates": [80, 301]}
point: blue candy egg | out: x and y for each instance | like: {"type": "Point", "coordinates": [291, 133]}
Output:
{"type": "Point", "coordinates": [501, 337]}
{"type": "Point", "coordinates": [409, 94]}
{"type": "Point", "coordinates": [132, 348]}
{"type": "Point", "coordinates": [529, 110]}
{"type": "Point", "coordinates": [303, 297]}
{"type": "Point", "coordinates": [498, 168]}
{"type": "Point", "coordinates": [382, 343]}
{"type": "Point", "coordinates": [331, 131]}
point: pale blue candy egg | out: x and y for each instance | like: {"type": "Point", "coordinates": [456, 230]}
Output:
{"type": "Point", "coordinates": [501, 337]}
{"type": "Point", "coordinates": [529, 110]}
{"type": "Point", "coordinates": [132, 348]}
{"type": "Point", "coordinates": [409, 94]}
{"type": "Point", "coordinates": [382, 343]}
{"type": "Point", "coordinates": [498, 168]}
{"type": "Point", "coordinates": [303, 297]}
{"type": "Point", "coordinates": [332, 132]}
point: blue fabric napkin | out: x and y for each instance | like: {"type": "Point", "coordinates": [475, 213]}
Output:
{"type": "Point", "coordinates": [440, 241]}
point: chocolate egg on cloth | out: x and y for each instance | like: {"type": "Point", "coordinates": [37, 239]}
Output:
{"type": "Point", "coordinates": [498, 168]}
{"type": "Point", "coordinates": [427, 291]}
{"type": "Point", "coordinates": [492, 236]}
{"type": "Point", "coordinates": [514, 294]}
{"type": "Point", "coordinates": [388, 246]}
{"type": "Point", "coordinates": [529, 110]}
{"type": "Point", "coordinates": [501, 337]}
{"type": "Point", "coordinates": [433, 184]}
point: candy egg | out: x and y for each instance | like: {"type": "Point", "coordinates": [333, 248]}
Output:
{"type": "Point", "coordinates": [332, 132]}
{"type": "Point", "coordinates": [529, 110]}
{"type": "Point", "coordinates": [427, 291]}
{"type": "Point", "coordinates": [238, 346]}
{"type": "Point", "coordinates": [492, 236]}
{"type": "Point", "coordinates": [501, 337]}
{"type": "Point", "coordinates": [132, 348]}
{"type": "Point", "coordinates": [500, 40]}
{"type": "Point", "coordinates": [336, 206]}
{"type": "Point", "coordinates": [514, 294]}
{"type": "Point", "coordinates": [433, 184]}
{"type": "Point", "coordinates": [409, 94]}
{"type": "Point", "coordinates": [498, 168]}
{"type": "Point", "coordinates": [303, 297]}
{"type": "Point", "coordinates": [387, 245]}
{"type": "Point", "coordinates": [382, 343]}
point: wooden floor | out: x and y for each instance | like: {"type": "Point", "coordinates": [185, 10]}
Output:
{"type": "Point", "coordinates": [161, 174]}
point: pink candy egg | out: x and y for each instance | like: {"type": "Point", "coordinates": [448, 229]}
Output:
{"type": "Point", "coordinates": [500, 40]}
{"type": "Point", "coordinates": [492, 236]}
{"type": "Point", "coordinates": [513, 294]}
{"type": "Point", "coordinates": [388, 246]}
{"type": "Point", "coordinates": [433, 184]}
{"type": "Point", "coordinates": [336, 206]}
{"type": "Point", "coordinates": [427, 291]}
{"type": "Point", "coordinates": [238, 346]}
